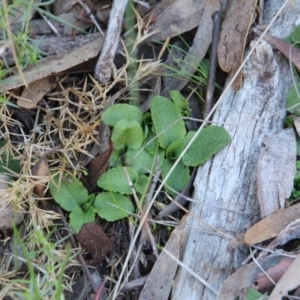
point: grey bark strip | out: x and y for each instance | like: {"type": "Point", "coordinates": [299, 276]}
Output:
{"type": "Point", "coordinates": [229, 179]}
{"type": "Point", "coordinates": [54, 64]}
{"type": "Point", "coordinates": [104, 64]}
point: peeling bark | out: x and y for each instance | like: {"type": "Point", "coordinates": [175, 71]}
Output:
{"type": "Point", "coordinates": [225, 186]}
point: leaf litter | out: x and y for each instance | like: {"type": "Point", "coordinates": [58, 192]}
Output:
{"type": "Point", "coordinates": [65, 112]}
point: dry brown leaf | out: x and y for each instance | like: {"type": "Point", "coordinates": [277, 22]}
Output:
{"type": "Point", "coordinates": [276, 171]}
{"type": "Point", "coordinates": [234, 31]}
{"type": "Point", "coordinates": [181, 16]}
{"type": "Point", "coordinates": [289, 281]}
{"type": "Point", "coordinates": [96, 167]}
{"type": "Point", "coordinates": [164, 269]}
{"type": "Point", "coordinates": [157, 11]}
{"type": "Point", "coordinates": [54, 64]}
{"type": "Point", "coordinates": [251, 275]}
{"type": "Point", "coordinates": [272, 225]}
{"type": "Point", "coordinates": [35, 92]}
{"type": "Point", "coordinates": [40, 170]}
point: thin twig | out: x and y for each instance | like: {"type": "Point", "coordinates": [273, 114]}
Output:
{"type": "Point", "coordinates": [11, 41]}
{"type": "Point", "coordinates": [52, 27]}
{"type": "Point", "coordinates": [91, 15]}
{"type": "Point", "coordinates": [104, 64]}
{"type": "Point", "coordinates": [180, 199]}
{"type": "Point", "coordinates": [213, 61]}
{"type": "Point", "coordinates": [261, 12]}
{"type": "Point", "coordinates": [200, 279]}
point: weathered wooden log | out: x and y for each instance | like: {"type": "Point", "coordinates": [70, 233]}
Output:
{"type": "Point", "coordinates": [225, 187]}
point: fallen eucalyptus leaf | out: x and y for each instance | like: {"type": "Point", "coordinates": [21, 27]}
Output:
{"type": "Point", "coordinates": [255, 274]}
{"type": "Point", "coordinates": [234, 32]}
{"type": "Point", "coordinates": [289, 281]}
{"type": "Point", "coordinates": [35, 91]}
{"type": "Point", "coordinates": [40, 170]}
{"type": "Point", "coordinates": [96, 167]}
{"type": "Point", "coordinates": [187, 14]}
{"type": "Point", "coordinates": [272, 225]}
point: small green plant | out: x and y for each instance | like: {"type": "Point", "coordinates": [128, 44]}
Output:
{"type": "Point", "coordinates": [73, 197]}
{"type": "Point", "coordinates": [293, 107]}
{"type": "Point", "coordinates": [164, 135]}
{"type": "Point", "coordinates": [142, 143]}
{"type": "Point", "coordinates": [8, 164]}
{"type": "Point", "coordinates": [52, 283]}
{"type": "Point", "coordinates": [296, 191]}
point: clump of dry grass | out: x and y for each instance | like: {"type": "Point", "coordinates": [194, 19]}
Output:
{"type": "Point", "coordinates": [64, 129]}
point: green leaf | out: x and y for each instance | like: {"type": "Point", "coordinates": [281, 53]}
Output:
{"type": "Point", "coordinates": [70, 193]}
{"type": "Point", "coordinates": [295, 36]}
{"type": "Point", "coordinates": [253, 294]}
{"type": "Point", "coordinates": [151, 143]}
{"type": "Point", "coordinates": [115, 158]}
{"type": "Point", "coordinates": [167, 121]}
{"type": "Point", "coordinates": [121, 111]}
{"type": "Point", "coordinates": [127, 134]}
{"type": "Point", "coordinates": [298, 145]}
{"type": "Point", "coordinates": [289, 121]}
{"type": "Point", "coordinates": [148, 119]}
{"type": "Point", "coordinates": [288, 40]}
{"type": "Point", "coordinates": [3, 143]}
{"type": "Point", "coordinates": [112, 206]}
{"type": "Point", "coordinates": [140, 160]}
{"type": "Point", "coordinates": [115, 180]}
{"type": "Point", "coordinates": [180, 102]}
{"type": "Point", "coordinates": [293, 99]}
{"type": "Point", "coordinates": [142, 184]}
{"type": "Point", "coordinates": [174, 150]}
{"type": "Point", "coordinates": [89, 201]}
{"type": "Point", "coordinates": [210, 140]}
{"type": "Point", "coordinates": [178, 179]}
{"type": "Point", "coordinates": [78, 218]}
